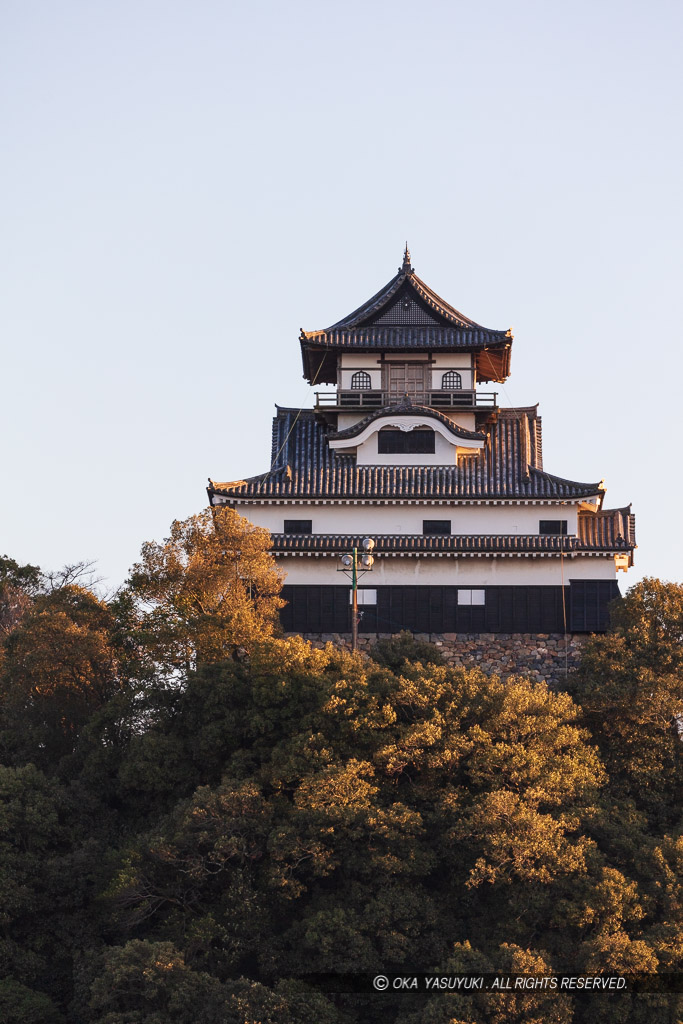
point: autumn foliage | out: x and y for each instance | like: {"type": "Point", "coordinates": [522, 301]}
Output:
{"type": "Point", "coordinates": [199, 817]}
{"type": "Point", "coordinates": [209, 587]}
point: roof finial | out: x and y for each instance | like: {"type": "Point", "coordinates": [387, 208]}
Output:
{"type": "Point", "coordinates": [406, 268]}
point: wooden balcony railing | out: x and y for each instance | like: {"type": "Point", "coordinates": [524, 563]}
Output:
{"type": "Point", "coordinates": [376, 399]}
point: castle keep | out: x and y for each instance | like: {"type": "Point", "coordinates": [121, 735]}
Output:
{"type": "Point", "coordinates": [411, 448]}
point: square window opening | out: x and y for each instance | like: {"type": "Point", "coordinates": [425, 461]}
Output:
{"type": "Point", "coordinates": [431, 526]}
{"type": "Point", "coordinates": [553, 527]}
{"type": "Point", "coordinates": [298, 526]}
{"type": "Point", "coordinates": [406, 442]}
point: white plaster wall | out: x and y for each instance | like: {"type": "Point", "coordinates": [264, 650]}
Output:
{"type": "Point", "coordinates": [381, 519]}
{"type": "Point", "coordinates": [452, 360]}
{"type": "Point", "coordinates": [347, 419]}
{"type": "Point", "coordinates": [365, 360]}
{"type": "Point", "coordinates": [344, 377]}
{"type": "Point", "coordinates": [452, 571]}
{"type": "Point", "coordinates": [438, 372]}
{"type": "Point", "coordinates": [350, 362]}
{"type": "Point", "coordinates": [443, 455]}
{"type": "Point", "coordinates": [466, 420]}
{"type": "Point", "coordinates": [359, 360]}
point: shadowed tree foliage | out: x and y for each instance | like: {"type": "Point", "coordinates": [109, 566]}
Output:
{"type": "Point", "coordinates": [199, 818]}
{"type": "Point", "coordinates": [22, 1005]}
{"type": "Point", "coordinates": [630, 685]}
{"type": "Point", "coordinates": [19, 585]}
{"type": "Point", "coordinates": [395, 651]}
{"type": "Point", "coordinates": [346, 819]}
{"type": "Point", "coordinates": [150, 983]}
{"type": "Point", "coordinates": [60, 668]}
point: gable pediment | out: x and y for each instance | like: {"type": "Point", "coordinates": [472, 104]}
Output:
{"type": "Point", "coordinates": [406, 312]}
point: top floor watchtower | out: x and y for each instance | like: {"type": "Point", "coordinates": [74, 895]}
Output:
{"type": "Point", "coordinates": [406, 341]}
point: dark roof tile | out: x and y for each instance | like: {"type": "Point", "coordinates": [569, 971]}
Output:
{"type": "Point", "coordinates": [604, 538]}
{"type": "Point", "coordinates": [405, 315]}
{"type": "Point", "coordinates": [507, 467]}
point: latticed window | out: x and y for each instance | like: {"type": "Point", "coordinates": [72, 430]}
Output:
{"type": "Point", "coordinates": [451, 381]}
{"type": "Point", "coordinates": [361, 381]}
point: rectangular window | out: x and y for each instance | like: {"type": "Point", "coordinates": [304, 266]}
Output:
{"type": "Point", "coordinates": [553, 526]}
{"type": "Point", "coordinates": [436, 526]}
{"type": "Point", "coordinates": [405, 442]}
{"type": "Point", "coordinates": [472, 597]}
{"type": "Point", "coordinates": [364, 597]}
{"type": "Point", "coordinates": [298, 526]}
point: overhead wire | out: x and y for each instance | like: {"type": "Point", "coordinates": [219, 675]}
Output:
{"type": "Point", "coordinates": [288, 435]}
{"type": "Point", "coordinates": [291, 429]}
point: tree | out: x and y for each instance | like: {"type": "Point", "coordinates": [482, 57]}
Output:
{"type": "Point", "coordinates": [650, 623]}
{"type": "Point", "coordinates": [209, 588]}
{"type": "Point", "coordinates": [523, 1006]}
{"type": "Point", "coordinates": [349, 819]}
{"type": "Point", "coordinates": [31, 836]}
{"type": "Point", "coordinates": [395, 651]}
{"type": "Point", "coordinates": [22, 1005]}
{"type": "Point", "coordinates": [630, 686]}
{"type": "Point", "coordinates": [151, 983]}
{"type": "Point", "coordinates": [60, 668]}
{"type": "Point", "coordinates": [200, 841]}
{"type": "Point", "coordinates": [19, 585]}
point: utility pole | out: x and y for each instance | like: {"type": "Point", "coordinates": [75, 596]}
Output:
{"type": "Point", "coordinates": [354, 601]}
{"type": "Point", "coordinates": [353, 566]}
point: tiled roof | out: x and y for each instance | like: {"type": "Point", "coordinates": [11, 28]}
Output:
{"type": "Point", "coordinates": [609, 528]}
{"type": "Point", "coordinates": [304, 467]}
{"type": "Point", "coordinates": [410, 337]}
{"type": "Point", "coordinates": [406, 314]}
{"type": "Point", "coordinates": [600, 540]}
{"type": "Point", "coordinates": [405, 409]}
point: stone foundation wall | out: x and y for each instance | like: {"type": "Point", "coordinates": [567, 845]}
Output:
{"type": "Point", "coordinates": [544, 656]}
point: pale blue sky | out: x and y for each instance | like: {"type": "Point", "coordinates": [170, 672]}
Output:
{"type": "Point", "coordinates": [185, 185]}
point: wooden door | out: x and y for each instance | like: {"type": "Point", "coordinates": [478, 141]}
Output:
{"type": "Point", "coordinates": [406, 379]}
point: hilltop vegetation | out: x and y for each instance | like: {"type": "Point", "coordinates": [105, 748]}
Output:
{"type": "Point", "coordinates": [196, 815]}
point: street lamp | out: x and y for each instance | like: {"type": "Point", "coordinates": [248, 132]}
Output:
{"type": "Point", "coordinates": [354, 566]}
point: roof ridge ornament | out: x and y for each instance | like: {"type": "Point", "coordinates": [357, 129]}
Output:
{"type": "Point", "coordinates": [406, 268]}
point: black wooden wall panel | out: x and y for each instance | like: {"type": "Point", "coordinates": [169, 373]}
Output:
{"type": "Point", "coordinates": [589, 602]}
{"type": "Point", "coordinates": [512, 609]}
{"type": "Point", "coordinates": [311, 609]}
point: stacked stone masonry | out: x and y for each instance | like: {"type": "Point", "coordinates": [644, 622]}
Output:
{"type": "Point", "coordinates": [543, 656]}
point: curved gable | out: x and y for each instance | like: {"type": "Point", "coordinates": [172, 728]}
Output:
{"type": "Point", "coordinates": [407, 422]}
{"type": "Point", "coordinates": [365, 438]}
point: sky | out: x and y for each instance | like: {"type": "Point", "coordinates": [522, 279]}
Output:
{"type": "Point", "coordinates": [186, 185]}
